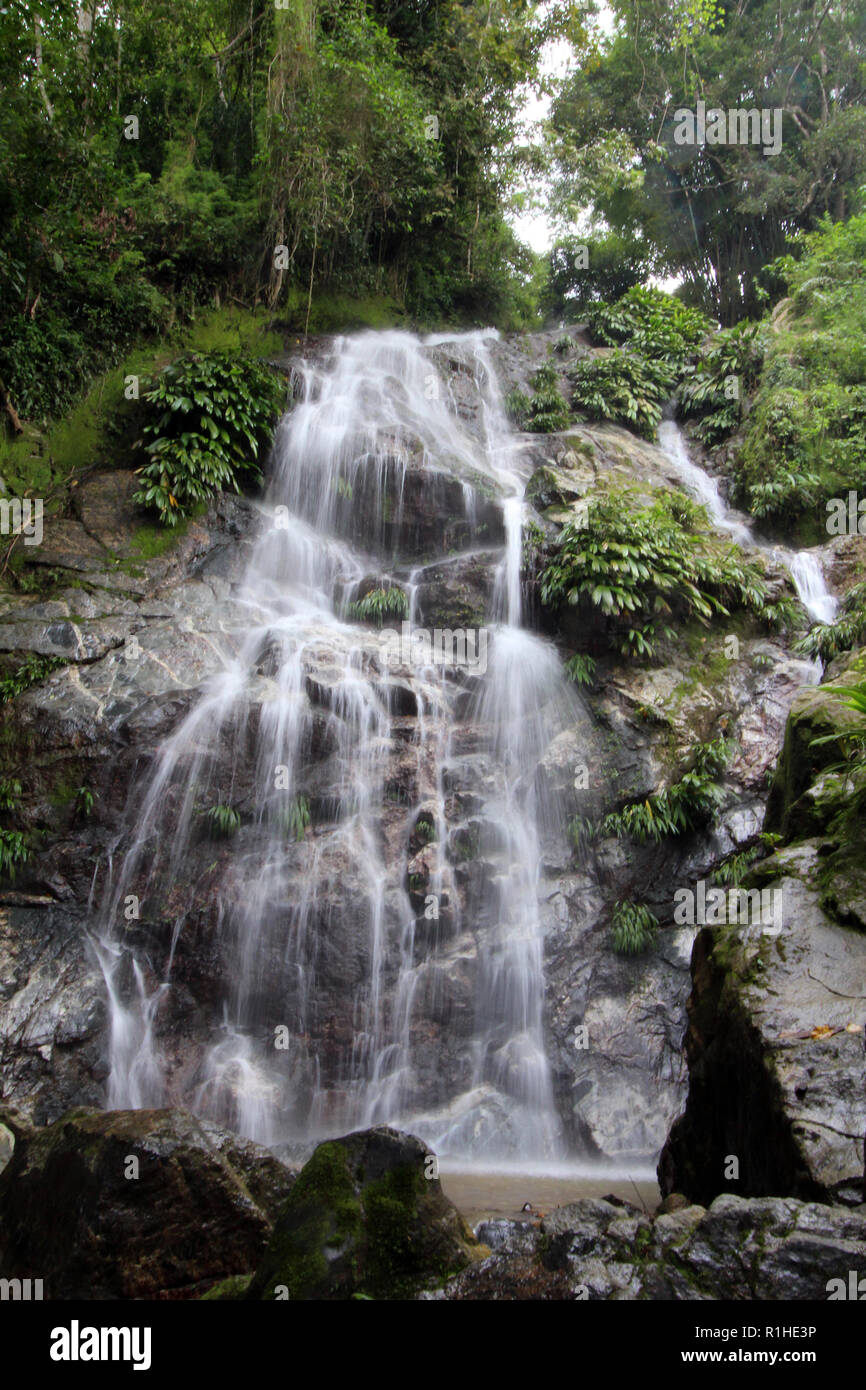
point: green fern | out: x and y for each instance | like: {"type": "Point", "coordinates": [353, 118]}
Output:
{"type": "Point", "coordinates": [378, 605]}
{"type": "Point", "coordinates": [581, 669]}
{"type": "Point", "coordinates": [633, 928]}
{"type": "Point", "coordinates": [295, 818]}
{"type": "Point", "coordinates": [224, 820]}
{"type": "Point", "coordinates": [687, 805]}
{"type": "Point", "coordinates": [34, 670]}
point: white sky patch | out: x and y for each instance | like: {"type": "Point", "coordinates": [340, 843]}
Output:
{"type": "Point", "coordinates": [533, 225]}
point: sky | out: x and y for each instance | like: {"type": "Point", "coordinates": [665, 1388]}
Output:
{"type": "Point", "coordinates": [533, 226]}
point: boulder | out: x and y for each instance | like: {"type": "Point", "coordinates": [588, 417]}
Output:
{"type": "Point", "coordinates": [134, 1204]}
{"type": "Point", "coordinates": [775, 1043]}
{"type": "Point", "coordinates": [775, 1053]}
{"type": "Point", "coordinates": [365, 1220]}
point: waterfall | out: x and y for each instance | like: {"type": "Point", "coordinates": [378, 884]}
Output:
{"type": "Point", "coordinates": [803, 567]}
{"type": "Point", "coordinates": [320, 958]}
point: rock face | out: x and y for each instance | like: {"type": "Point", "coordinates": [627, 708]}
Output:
{"type": "Point", "coordinates": [141, 637]}
{"type": "Point", "coordinates": [365, 1220]}
{"type": "Point", "coordinates": [764, 1248]}
{"type": "Point", "coordinates": [134, 1204]}
{"type": "Point", "coordinates": [775, 1043]}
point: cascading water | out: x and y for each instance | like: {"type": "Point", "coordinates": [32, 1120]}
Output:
{"type": "Point", "coordinates": [314, 936]}
{"type": "Point", "coordinates": [803, 567]}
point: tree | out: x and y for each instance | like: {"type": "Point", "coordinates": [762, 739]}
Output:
{"type": "Point", "coordinates": [715, 212]}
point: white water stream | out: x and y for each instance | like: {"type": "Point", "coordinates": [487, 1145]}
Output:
{"type": "Point", "coordinates": [803, 567]}
{"type": "Point", "coordinates": [375, 407]}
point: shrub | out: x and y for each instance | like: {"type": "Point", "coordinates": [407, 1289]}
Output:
{"type": "Point", "coordinates": [548, 411]}
{"type": "Point", "coordinates": [622, 387]}
{"type": "Point", "coordinates": [209, 417]}
{"type": "Point", "coordinates": [638, 565]}
{"type": "Point", "coordinates": [806, 440]}
{"type": "Point", "coordinates": [517, 407]}
{"type": "Point", "coordinates": [651, 322]}
{"type": "Point", "coordinates": [824, 641]}
{"type": "Point", "coordinates": [706, 392]}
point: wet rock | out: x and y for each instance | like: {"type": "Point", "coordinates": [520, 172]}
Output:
{"type": "Point", "coordinates": [775, 1052]}
{"type": "Point", "coordinates": [766, 1248]}
{"type": "Point", "coordinates": [675, 1201]}
{"type": "Point", "coordinates": [134, 1204]}
{"type": "Point", "coordinates": [363, 1220]}
{"type": "Point", "coordinates": [509, 1237]}
{"type": "Point", "coordinates": [104, 506]}
{"type": "Point", "coordinates": [775, 1043]}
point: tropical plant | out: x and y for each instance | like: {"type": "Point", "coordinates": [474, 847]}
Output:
{"type": "Point", "coordinates": [824, 641]}
{"type": "Point", "coordinates": [224, 820]}
{"type": "Point", "coordinates": [735, 866]}
{"type": "Point", "coordinates": [633, 928]}
{"type": "Point", "coordinates": [296, 817]}
{"type": "Point", "coordinates": [208, 420]}
{"type": "Point", "coordinates": [715, 388]}
{"type": "Point", "coordinates": [378, 605]}
{"type": "Point", "coordinates": [13, 851]}
{"type": "Point", "coordinates": [13, 845]}
{"type": "Point", "coordinates": [642, 565]}
{"type": "Point", "coordinates": [516, 403]}
{"type": "Point", "coordinates": [623, 387]}
{"type": "Point", "coordinates": [425, 829]}
{"type": "Point", "coordinates": [548, 411]}
{"type": "Point", "coordinates": [34, 670]}
{"type": "Point", "coordinates": [583, 831]}
{"type": "Point", "coordinates": [581, 669]}
{"type": "Point", "coordinates": [687, 805]}
{"type": "Point", "coordinates": [650, 322]}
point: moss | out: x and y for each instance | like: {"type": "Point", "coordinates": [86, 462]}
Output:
{"type": "Point", "coordinates": [149, 542]}
{"type": "Point", "coordinates": [362, 1219]}
{"type": "Point", "coordinates": [323, 1211]}
{"type": "Point", "coordinates": [96, 432]}
{"type": "Point", "coordinates": [228, 1289]}
{"type": "Point", "coordinates": [333, 312]}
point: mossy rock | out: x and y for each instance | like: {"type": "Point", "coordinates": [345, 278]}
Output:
{"type": "Point", "coordinates": [228, 1290]}
{"type": "Point", "coordinates": [791, 811]}
{"type": "Point", "coordinates": [364, 1220]}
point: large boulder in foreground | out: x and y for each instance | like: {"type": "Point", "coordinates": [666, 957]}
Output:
{"type": "Point", "coordinates": [364, 1220]}
{"type": "Point", "coordinates": [73, 1214]}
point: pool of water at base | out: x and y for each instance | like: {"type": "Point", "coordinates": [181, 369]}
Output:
{"type": "Point", "coordinates": [483, 1193]}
